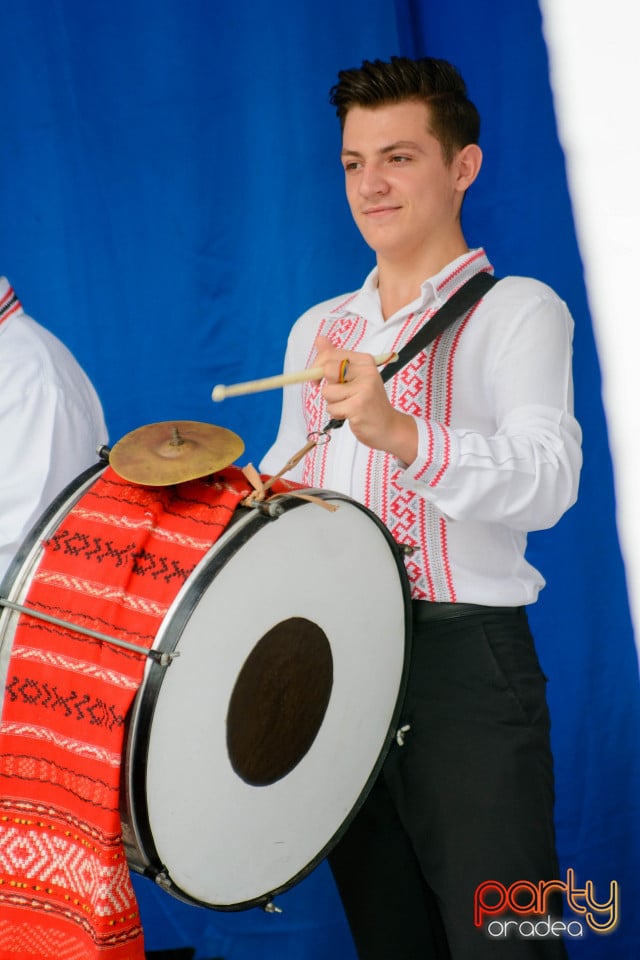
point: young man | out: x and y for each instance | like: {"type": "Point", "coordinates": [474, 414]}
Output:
{"type": "Point", "coordinates": [463, 451]}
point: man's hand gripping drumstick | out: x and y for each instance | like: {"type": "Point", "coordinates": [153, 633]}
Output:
{"type": "Point", "coordinates": [222, 392]}
{"type": "Point", "coordinates": [336, 358]}
{"type": "Point", "coordinates": [354, 391]}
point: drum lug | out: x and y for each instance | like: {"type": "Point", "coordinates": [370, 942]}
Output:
{"type": "Point", "coordinates": [163, 879]}
{"type": "Point", "coordinates": [270, 907]}
{"type": "Point", "coordinates": [401, 734]}
{"type": "Point", "coordinates": [269, 508]}
{"type": "Point", "coordinates": [408, 549]}
{"type": "Point", "coordinates": [163, 659]}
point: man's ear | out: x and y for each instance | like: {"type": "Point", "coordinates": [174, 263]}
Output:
{"type": "Point", "coordinates": [468, 162]}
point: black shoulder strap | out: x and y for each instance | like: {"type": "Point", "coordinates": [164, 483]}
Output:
{"type": "Point", "coordinates": [456, 306]}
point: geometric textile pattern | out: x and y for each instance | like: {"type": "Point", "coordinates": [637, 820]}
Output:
{"type": "Point", "coordinates": [114, 564]}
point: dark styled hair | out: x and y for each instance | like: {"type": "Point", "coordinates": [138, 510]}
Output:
{"type": "Point", "coordinates": [454, 120]}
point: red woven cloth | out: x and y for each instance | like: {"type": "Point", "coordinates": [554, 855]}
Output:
{"type": "Point", "coordinates": [114, 564]}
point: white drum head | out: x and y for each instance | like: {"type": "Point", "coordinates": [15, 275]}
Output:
{"type": "Point", "coordinates": [250, 753]}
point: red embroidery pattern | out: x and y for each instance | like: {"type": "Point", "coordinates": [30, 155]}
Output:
{"type": "Point", "coordinates": [9, 304]}
{"type": "Point", "coordinates": [423, 389]}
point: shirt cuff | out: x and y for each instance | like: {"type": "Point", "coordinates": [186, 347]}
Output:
{"type": "Point", "coordinates": [438, 452]}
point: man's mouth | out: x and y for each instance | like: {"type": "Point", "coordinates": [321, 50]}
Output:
{"type": "Point", "coordinates": [379, 211]}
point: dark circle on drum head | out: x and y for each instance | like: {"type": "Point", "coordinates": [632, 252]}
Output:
{"type": "Point", "coordinates": [279, 701]}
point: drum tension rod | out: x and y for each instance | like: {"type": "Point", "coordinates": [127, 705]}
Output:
{"type": "Point", "coordinates": [164, 659]}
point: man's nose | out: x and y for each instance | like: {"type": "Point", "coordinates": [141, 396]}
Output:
{"type": "Point", "coordinates": [373, 181]}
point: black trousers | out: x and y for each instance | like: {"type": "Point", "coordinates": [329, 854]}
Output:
{"type": "Point", "coordinates": [468, 798]}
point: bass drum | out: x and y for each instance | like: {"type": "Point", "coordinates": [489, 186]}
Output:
{"type": "Point", "coordinates": [246, 758]}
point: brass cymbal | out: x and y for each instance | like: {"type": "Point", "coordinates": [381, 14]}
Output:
{"type": "Point", "coordinates": [173, 451]}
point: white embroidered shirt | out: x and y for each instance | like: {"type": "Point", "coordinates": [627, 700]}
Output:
{"type": "Point", "coordinates": [499, 448]}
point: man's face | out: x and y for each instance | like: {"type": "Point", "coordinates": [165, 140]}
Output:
{"type": "Point", "coordinates": [402, 194]}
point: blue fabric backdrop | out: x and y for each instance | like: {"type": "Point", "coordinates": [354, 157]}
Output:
{"type": "Point", "coordinates": [172, 199]}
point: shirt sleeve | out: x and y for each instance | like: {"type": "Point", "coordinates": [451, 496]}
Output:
{"type": "Point", "coordinates": [47, 440]}
{"type": "Point", "coordinates": [292, 432]}
{"type": "Point", "coordinates": [524, 471]}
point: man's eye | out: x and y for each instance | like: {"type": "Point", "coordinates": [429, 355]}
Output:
{"type": "Point", "coordinates": [351, 165]}
{"type": "Point", "coordinates": [399, 160]}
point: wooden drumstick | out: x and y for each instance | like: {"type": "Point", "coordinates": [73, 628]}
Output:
{"type": "Point", "coordinates": [221, 392]}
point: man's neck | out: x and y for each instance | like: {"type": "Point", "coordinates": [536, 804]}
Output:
{"type": "Point", "coordinates": [400, 283]}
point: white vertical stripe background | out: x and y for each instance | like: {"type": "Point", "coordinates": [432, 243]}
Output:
{"type": "Point", "coordinates": [595, 77]}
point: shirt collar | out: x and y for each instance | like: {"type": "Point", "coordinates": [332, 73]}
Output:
{"type": "Point", "coordinates": [434, 291]}
{"type": "Point", "coordinates": [9, 303]}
